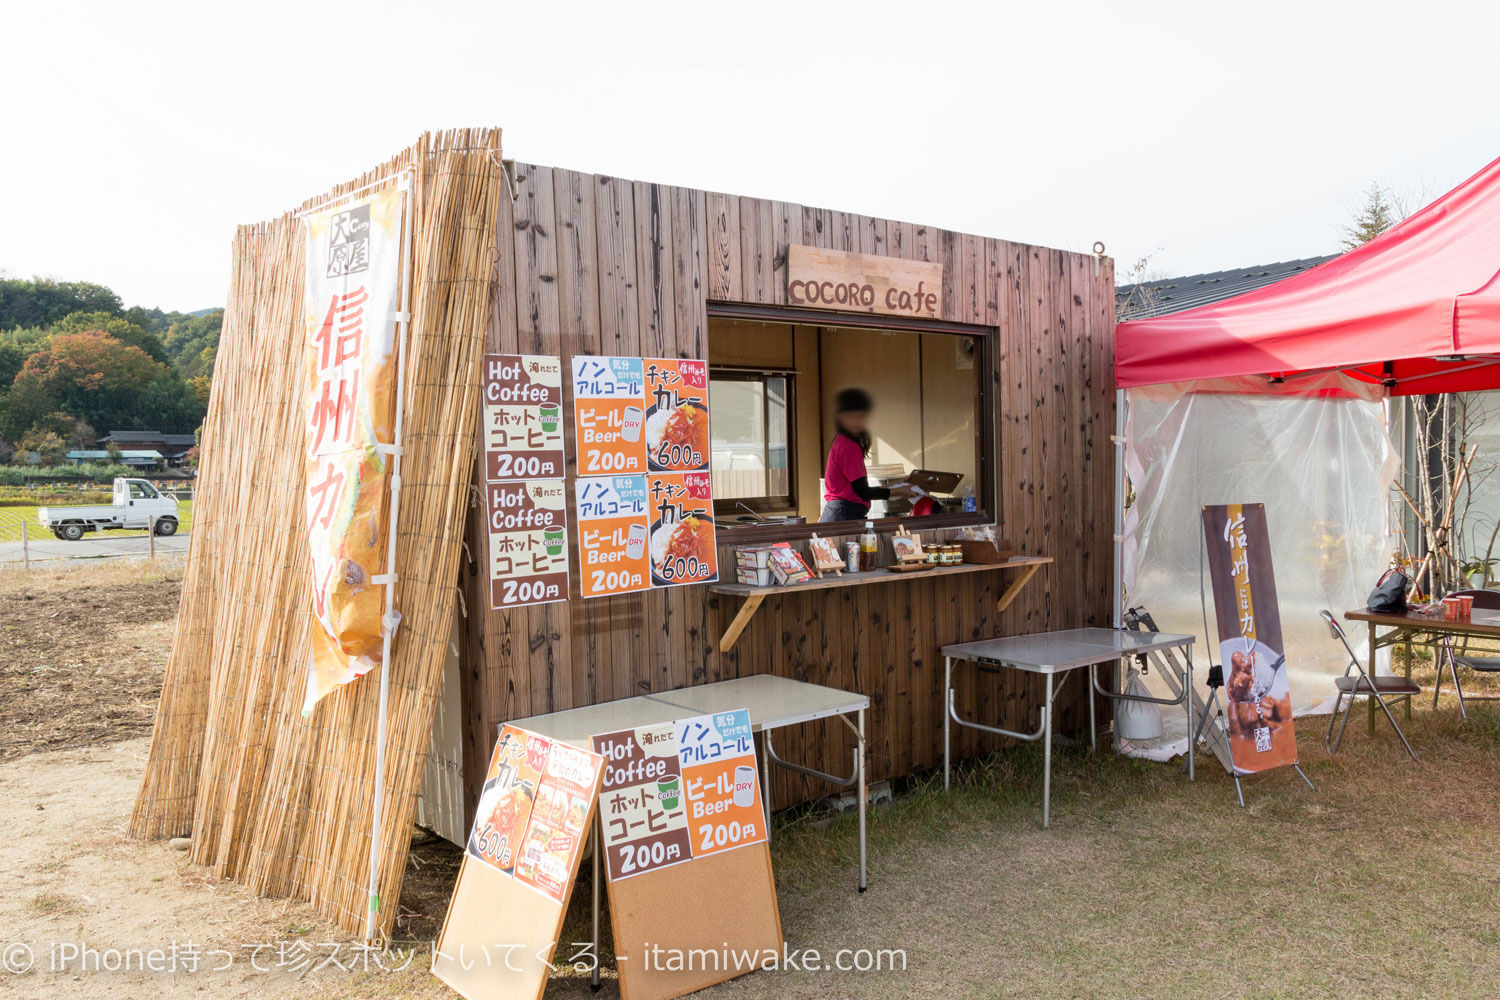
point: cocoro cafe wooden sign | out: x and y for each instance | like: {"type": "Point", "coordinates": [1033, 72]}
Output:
{"type": "Point", "coordinates": [861, 282]}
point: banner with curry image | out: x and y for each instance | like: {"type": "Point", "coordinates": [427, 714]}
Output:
{"type": "Point", "coordinates": [1256, 688]}
{"type": "Point", "coordinates": [353, 288]}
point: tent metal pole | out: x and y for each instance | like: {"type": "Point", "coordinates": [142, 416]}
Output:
{"type": "Point", "coordinates": [1119, 537]}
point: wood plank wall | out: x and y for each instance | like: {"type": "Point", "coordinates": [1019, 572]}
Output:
{"type": "Point", "coordinates": [600, 265]}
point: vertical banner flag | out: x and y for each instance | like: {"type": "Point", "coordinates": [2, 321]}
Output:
{"type": "Point", "coordinates": [525, 493]}
{"type": "Point", "coordinates": [1256, 687]}
{"type": "Point", "coordinates": [353, 287]}
{"type": "Point", "coordinates": [645, 507]}
{"type": "Point", "coordinates": [678, 791]}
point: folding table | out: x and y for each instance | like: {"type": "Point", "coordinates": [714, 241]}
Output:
{"type": "Point", "coordinates": [773, 703]}
{"type": "Point", "coordinates": [1050, 654]}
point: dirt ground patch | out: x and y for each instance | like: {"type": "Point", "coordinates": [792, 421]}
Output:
{"type": "Point", "coordinates": [82, 653]}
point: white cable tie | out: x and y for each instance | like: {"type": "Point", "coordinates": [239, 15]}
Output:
{"type": "Point", "coordinates": [1119, 538]}
{"type": "Point", "coordinates": [381, 579]}
{"type": "Point", "coordinates": [390, 622]}
{"type": "Point", "coordinates": [401, 317]}
{"type": "Point", "coordinates": [1117, 439]}
{"type": "Point", "coordinates": [389, 449]}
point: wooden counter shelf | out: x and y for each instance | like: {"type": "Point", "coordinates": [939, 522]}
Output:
{"type": "Point", "coordinates": [755, 596]}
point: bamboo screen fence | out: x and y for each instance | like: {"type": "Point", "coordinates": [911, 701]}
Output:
{"type": "Point", "coordinates": [279, 803]}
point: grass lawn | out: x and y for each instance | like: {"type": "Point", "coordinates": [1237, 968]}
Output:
{"type": "Point", "coordinates": [11, 518]}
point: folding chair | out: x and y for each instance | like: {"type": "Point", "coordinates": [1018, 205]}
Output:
{"type": "Point", "coordinates": [1363, 686]}
{"type": "Point", "coordinates": [1484, 600]}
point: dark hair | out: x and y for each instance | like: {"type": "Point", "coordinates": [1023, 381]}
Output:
{"type": "Point", "coordinates": [852, 400]}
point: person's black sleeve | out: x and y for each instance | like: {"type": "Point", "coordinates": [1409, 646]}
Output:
{"type": "Point", "coordinates": [867, 492]}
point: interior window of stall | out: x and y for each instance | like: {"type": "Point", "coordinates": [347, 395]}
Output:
{"type": "Point", "coordinates": [772, 391]}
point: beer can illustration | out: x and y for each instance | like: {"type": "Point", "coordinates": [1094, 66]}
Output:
{"type": "Point", "coordinates": [631, 429]}
{"type": "Point", "coordinates": [744, 785]}
{"type": "Point", "coordinates": [635, 543]}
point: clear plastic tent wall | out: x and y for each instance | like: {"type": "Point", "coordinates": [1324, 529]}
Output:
{"type": "Point", "coordinates": [1322, 466]}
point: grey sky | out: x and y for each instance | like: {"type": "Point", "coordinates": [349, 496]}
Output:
{"type": "Point", "coordinates": [136, 135]}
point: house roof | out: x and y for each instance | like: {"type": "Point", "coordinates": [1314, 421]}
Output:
{"type": "Point", "coordinates": [1170, 295]}
{"type": "Point", "coordinates": [147, 437]}
{"type": "Point", "coordinates": [126, 455]}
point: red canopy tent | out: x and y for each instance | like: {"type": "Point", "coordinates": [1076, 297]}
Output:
{"type": "Point", "coordinates": [1416, 310]}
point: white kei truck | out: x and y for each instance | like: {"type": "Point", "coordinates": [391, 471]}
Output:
{"type": "Point", "coordinates": [136, 504]}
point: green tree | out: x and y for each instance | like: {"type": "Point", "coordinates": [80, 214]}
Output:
{"type": "Point", "coordinates": [192, 340]}
{"type": "Point", "coordinates": [42, 301]}
{"type": "Point", "coordinates": [48, 445]}
{"type": "Point", "coordinates": [75, 433]}
{"type": "Point", "coordinates": [1378, 213]}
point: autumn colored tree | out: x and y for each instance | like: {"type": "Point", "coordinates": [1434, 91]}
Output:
{"type": "Point", "coordinates": [103, 381]}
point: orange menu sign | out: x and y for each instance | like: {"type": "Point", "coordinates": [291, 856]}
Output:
{"type": "Point", "coordinates": [638, 532]}
{"type": "Point", "coordinates": [533, 815]}
{"type": "Point", "coordinates": [633, 415]}
{"type": "Point", "coordinates": [720, 781]}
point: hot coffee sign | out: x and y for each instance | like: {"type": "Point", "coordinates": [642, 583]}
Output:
{"type": "Point", "coordinates": [861, 282]}
{"type": "Point", "coordinates": [678, 791]}
{"type": "Point", "coordinates": [524, 492]}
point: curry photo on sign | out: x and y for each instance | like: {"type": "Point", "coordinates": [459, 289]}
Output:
{"type": "Point", "coordinates": [1256, 687]}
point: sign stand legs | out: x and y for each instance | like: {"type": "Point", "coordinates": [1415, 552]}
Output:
{"type": "Point", "coordinates": [598, 874]}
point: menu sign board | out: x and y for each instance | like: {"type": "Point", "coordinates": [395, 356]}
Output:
{"type": "Point", "coordinates": [523, 431]}
{"type": "Point", "coordinates": [525, 494]}
{"type": "Point", "coordinates": [638, 532]}
{"type": "Point", "coordinates": [1257, 690]}
{"type": "Point", "coordinates": [720, 781]}
{"type": "Point", "coordinates": [633, 415]}
{"type": "Point", "coordinates": [609, 415]}
{"type": "Point", "coordinates": [528, 540]}
{"type": "Point", "coordinates": [645, 816]}
{"type": "Point", "coordinates": [677, 438]}
{"type": "Point", "coordinates": [678, 791]}
{"type": "Point", "coordinates": [613, 525]}
{"type": "Point", "coordinates": [534, 811]}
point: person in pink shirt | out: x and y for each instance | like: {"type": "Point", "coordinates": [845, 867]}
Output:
{"type": "Point", "coordinates": [847, 492]}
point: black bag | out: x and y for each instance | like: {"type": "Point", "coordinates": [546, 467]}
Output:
{"type": "Point", "coordinates": [1389, 595]}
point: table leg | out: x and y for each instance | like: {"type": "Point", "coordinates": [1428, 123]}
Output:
{"type": "Point", "coordinates": [1407, 647]}
{"type": "Point", "coordinates": [598, 846]}
{"type": "Point", "coordinates": [1088, 685]}
{"type": "Point", "coordinates": [1187, 704]}
{"type": "Point", "coordinates": [765, 778]}
{"type": "Point", "coordinates": [864, 882]}
{"type": "Point", "coordinates": [947, 713]}
{"type": "Point", "coordinates": [1047, 757]}
{"type": "Point", "coordinates": [1370, 702]}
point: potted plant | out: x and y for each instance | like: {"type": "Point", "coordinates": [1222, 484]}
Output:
{"type": "Point", "coordinates": [1478, 571]}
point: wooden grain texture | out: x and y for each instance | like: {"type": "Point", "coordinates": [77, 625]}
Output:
{"type": "Point", "coordinates": [631, 268]}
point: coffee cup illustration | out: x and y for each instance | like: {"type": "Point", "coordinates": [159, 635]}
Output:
{"type": "Point", "coordinates": [630, 430]}
{"type": "Point", "coordinates": [553, 539]}
{"type": "Point", "coordinates": [667, 792]}
{"type": "Point", "coordinates": [549, 413]}
{"type": "Point", "coordinates": [635, 542]}
{"type": "Point", "coordinates": [744, 786]}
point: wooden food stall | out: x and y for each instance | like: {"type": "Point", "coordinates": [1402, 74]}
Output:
{"type": "Point", "coordinates": [991, 366]}
{"type": "Point", "coordinates": [987, 357]}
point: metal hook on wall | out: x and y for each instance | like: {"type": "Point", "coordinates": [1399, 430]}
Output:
{"type": "Point", "coordinates": [1098, 256]}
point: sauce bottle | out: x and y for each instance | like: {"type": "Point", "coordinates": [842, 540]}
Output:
{"type": "Point", "coordinates": [868, 547]}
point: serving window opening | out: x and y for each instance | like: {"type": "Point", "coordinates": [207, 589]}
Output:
{"type": "Point", "coordinates": [772, 391]}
